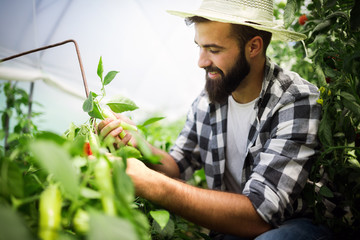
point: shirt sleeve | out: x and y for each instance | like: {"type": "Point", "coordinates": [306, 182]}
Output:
{"type": "Point", "coordinates": [186, 150]}
{"type": "Point", "coordinates": [283, 153]}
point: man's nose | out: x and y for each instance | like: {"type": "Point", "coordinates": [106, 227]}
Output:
{"type": "Point", "coordinates": [204, 60]}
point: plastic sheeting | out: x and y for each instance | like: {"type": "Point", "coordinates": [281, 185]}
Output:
{"type": "Point", "coordinates": [153, 50]}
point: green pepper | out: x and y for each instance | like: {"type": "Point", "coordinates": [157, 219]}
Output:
{"type": "Point", "coordinates": [50, 213]}
{"type": "Point", "coordinates": [104, 182]}
{"type": "Point", "coordinates": [94, 143]}
{"type": "Point", "coordinates": [81, 221]}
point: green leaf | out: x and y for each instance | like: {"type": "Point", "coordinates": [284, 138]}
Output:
{"type": "Point", "coordinates": [88, 103]}
{"type": "Point", "coordinates": [108, 228]}
{"type": "Point", "coordinates": [121, 104]}
{"type": "Point", "coordinates": [57, 161]}
{"type": "Point", "coordinates": [320, 73]}
{"type": "Point", "coordinates": [152, 120]}
{"type": "Point", "coordinates": [323, 25]}
{"type": "Point", "coordinates": [141, 223]}
{"type": "Point", "coordinates": [100, 69]}
{"type": "Point", "coordinates": [96, 112]}
{"type": "Point", "coordinates": [128, 152]}
{"type": "Point", "coordinates": [199, 176]}
{"type": "Point", "coordinates": [11, 179]}
{"type": "Point", "coordinates": [76, 146]}
{"type": "Point", "coordinates": [12, 225]}
{"type": "Point", "coordinates": [289, 12]}
{"type": "Point", "coordinates": [94, 95]}
{"type": "Point", "coordinates": [330, 3]}
{"type": "Point", "coordinates": [325, 130]}
{"type": "Point", "coordinates": [350, 103]}
{"type": "Point", "coordinates": [145, 150]}
{"type": "Point", "coordinates": [352, 62]}
{"type": "Point", "coordinates": [326, 192]}
{"type": "Point", "coordinates": [70, 134]}
{"type": "Point", "coordinates": [109, 77]}
{"type": "Point", "coordinates": [329, 72]}
{"type": "Point", "coordinates": [123, 185]}
{"type": "Point", "coordinates": [91, 106]}
{"type": "Point", "coordinates": [167, 232]}
{"type": "Point", "coordinates": [354, 163]}
{"type": "Point", "coordinates": [348, 96]}
{"type": "Point", "coordinates": [354, 107]}
{"type": "Point", "coordinates": [161, 217]}
{"type": "Point", "coordinates": [337, 14]}
{"type": "Point", "coordinates": [50, 136]}
{"type": "Point", "coordinates": [2, 134]}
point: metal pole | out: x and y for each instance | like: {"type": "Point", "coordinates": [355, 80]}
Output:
{"type": "Point", "coordinates": [52, 46]}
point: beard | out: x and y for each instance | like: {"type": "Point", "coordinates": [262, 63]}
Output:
{"type": "Point", "coordinates": [219, 89]}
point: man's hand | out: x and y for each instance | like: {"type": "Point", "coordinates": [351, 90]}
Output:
{"type": "Point", "coordinates": [139, 174]}
{"type": "Point", "coordinates": [110, 128]}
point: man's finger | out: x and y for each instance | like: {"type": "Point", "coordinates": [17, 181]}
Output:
{"type": "Point", "coordinates": [111, 126]}
{"type": "Point", "coordinates": [103, 123]}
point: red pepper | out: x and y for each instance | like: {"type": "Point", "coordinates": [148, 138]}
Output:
{"type": "Point", "coordinates": [87, 149]}
{"type": "Point", "coordinates": [302, 19]}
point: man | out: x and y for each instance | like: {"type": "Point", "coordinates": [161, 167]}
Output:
{"type": "Point", "coordinates": [253, 129]}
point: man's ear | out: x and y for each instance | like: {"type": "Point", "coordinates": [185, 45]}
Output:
{"type": "Point", "coordinates": [255, 46]}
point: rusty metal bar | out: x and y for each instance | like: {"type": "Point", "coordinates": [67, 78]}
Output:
{"type": "Point", "coordinates": [52, 46]}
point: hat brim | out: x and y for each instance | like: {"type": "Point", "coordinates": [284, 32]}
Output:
{"type": "Point", "coordinates": [278, 32]}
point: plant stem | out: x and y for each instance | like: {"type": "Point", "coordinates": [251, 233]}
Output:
{"type": "Point", "coordinates": [6, 123]}
{"type": "Point", "coordinates": [18, 202]}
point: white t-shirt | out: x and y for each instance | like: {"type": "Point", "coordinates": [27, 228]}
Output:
{"type": "Point", "coordinates": [240, 117]}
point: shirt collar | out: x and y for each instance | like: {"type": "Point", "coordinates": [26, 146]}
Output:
{"type": "Point", "coordinates": [268, 76]}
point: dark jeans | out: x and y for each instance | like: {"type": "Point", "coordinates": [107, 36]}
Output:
{"type": "Point", "coordinates": [294, 229]}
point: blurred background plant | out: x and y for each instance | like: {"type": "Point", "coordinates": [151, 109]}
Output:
{"type": "Point", "coordinates": [16, 117]}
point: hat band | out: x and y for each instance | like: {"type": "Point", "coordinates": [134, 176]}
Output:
{"type": "Point", "coordinates": [238, 11]}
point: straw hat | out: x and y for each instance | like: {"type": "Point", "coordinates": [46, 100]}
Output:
{"type": "Point", "coordinates": [254, 13]}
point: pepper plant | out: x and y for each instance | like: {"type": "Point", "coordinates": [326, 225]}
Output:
{"type": "Point", "coordinates": [74, 185]}
{"type": "Point", "coordinates": [331, 60]}
{"type": "Point", "coordinates": [54, 186]}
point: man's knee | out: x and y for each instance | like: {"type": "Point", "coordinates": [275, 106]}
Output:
{"type": "Point", "coordinates": [297, 229]}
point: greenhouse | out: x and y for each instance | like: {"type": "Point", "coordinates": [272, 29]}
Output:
{"type": "Point", "coordinates": [206, 119]}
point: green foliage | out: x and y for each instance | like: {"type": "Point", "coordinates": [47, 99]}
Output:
{"type": "Point", "coordinates": [161, 217]}
{"type": "Point", "coordinates": [15, 119]}
{"type": "Point", "coordinates": [121, 104]}
{"type": "Point", "coordinates": [94, 105]}
{"type": "Point", "coordinates": [23, 179]}
{"type": "Point", "coordinates": [161, 133]}
{"type": "Point", "coordinates": [93, 195]}
{"type": "Point", "coordinates": [333, 63]}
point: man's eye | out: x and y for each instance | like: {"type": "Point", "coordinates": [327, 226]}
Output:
{"type": "Point", "coordinates": [214, 51]}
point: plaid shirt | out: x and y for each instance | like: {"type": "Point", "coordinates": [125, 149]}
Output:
{"type": "Point", "coordinates": [281, 143]}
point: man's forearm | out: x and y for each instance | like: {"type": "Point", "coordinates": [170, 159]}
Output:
{"type": "Point", "coordinates": [220, 211]}
{"type": "Point", "coordinates": [168, 165]}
